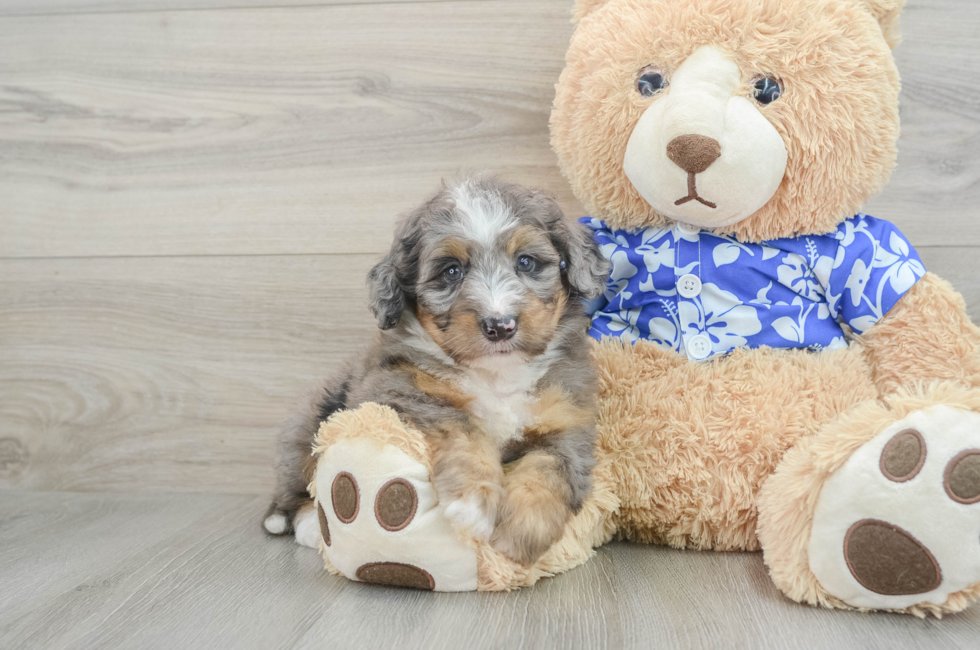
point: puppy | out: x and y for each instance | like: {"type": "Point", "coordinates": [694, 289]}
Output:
{"type": "Point", "coordinates": [483, 348]}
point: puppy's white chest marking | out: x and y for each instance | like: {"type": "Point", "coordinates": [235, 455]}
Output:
{"type": "Point", "coordinates": [504, 414]}
{"type": "Point", "coordinates": [502, 395]}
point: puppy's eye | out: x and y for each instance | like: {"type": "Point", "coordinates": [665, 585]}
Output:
{"type": "Point", "coordinates": [767, 90]}
{"type": "Point", "coordinates": [525, 264]}
{"type": "Point", "coordinates": [453, 273]}
{"type": "Point", "coordinates": [651, 81]}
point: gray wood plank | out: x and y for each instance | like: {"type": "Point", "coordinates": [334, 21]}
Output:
{"type": "Point", "coordinates": [238, 132]}
{"type": "Point", "coordinates": [153, 571]}
{"type": "Point", "coordinates": [959, 265]}
{"type": "Point", "coordinates": [195, 571]}
{"type": "Point", "coordinates": [74, 7]}
{"type": "Point", "coordinates": [166, 373]}
{"type": "Point", "coordinates": [147, 374]}
{"type": "Point", "coordinates": [306, 130]}
{"type": "Point", "coordinates": [687, 599]}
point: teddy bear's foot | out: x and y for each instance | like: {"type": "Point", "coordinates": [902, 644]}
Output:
{"type": "Point", "coordinates": [899, 523]}
{"type": "Point", "coordinates": [888, 521]}
{"type": "Point", "coordinates": [380, 520]}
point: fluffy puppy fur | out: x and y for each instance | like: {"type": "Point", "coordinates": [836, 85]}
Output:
{"type": "Point", "coordinates": [483, 347]}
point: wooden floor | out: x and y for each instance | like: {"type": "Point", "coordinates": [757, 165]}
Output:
{"type": "Point", "coordinates": [191, 192]}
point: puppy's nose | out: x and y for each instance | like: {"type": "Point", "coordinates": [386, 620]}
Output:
{"type": "Point", "coordinates": [499, 329]}
{"type": "Point", "coordinates": [693, 153]}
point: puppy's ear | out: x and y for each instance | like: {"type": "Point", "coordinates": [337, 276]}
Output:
{"type": "Point", "coordinates": [585, 267]}
{"type": "Point", "coordinates": [392, 280]}
{"type": "Point", "coordinates": [387, 298]}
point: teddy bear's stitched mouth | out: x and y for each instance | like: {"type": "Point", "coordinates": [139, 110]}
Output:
{"type": "Point", "coordinates": [692, 193]}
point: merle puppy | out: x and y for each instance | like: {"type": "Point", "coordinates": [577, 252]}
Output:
{"type": "Point", "coordinates": [483, 348]}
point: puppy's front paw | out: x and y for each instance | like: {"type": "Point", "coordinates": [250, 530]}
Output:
{"type": "Point", "coordinates": [475, 512]}
{"type": "Point", "coordinates": [524, 536]}
{"type": "Point", "coordinates": [307, 527]}
{"type": "Point", "coordinates": [535, 509]}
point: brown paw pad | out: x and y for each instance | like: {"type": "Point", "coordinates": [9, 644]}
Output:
{"type": "Point", "coordinates": [324, 528]}
{"type": "Point", "coordinates": [903, 456]}
{"type": "Point", "coordinates": [962, 477]}
{"type": "Point", "coordinates": [395, 574]}
{"type": "Point", "coordinates": [887, 560]}
{"type": "Point", "coordinates": [345, 497]}
{"type": "Point", "coordinates": [395, 505]}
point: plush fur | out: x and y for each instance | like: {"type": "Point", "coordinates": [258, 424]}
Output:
{"type": "Point", "coordinates": [667, 424]}
{"type": "Point", "coordinates": [483, 349]}
{"type": "Point", "coordinates": [839, 112]}
{"type": "Point", "coordinates": [788, 499]}
{"type": "Point", "coordinates": [733, 453]}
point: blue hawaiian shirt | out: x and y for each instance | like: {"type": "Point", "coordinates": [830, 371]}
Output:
{"type": "Point", "coordinates": [704, 294]}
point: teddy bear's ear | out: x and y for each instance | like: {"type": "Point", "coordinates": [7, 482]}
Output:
{"type": "Point", "coordinates": [583, 8]}
{"type": "Point", "coordinates": [886, 12]}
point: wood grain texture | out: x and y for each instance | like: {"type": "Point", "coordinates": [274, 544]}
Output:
{"type": "Point", "coordinates": [240, 132]}
{"type": "Point", "coordinates": [190, 197]}
{"type": "Point", "coordinates": [173, 374]}
{"type": "Point", "coordinates": [195, 571]}
{"type": "Point", "coordinates": [74, 7]}
{"type": "Point", "coordinates": [306, 130]}
{"type": "Point", "coordinates": [166, 373]}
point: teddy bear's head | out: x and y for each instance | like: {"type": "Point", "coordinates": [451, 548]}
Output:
{"type": "Point", "coordinates": [756, 118]}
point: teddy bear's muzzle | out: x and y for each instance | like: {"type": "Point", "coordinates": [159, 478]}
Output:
{"type": "Point", "coordinates": [702, 153]}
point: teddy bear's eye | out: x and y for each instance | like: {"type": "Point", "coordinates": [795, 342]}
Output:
{"type": "Point", "coordinates": [651, 81]}
{"type": "Point", "coordinates": [767, 90]}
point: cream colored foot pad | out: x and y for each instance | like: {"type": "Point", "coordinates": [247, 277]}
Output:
{"type": "Point", "coordinates": [899, 523]}
{"type": "Point", "coordinates": [381, 522]}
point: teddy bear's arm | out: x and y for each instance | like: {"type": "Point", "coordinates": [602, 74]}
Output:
{"type": "Point", "coordinates": [927, 335]}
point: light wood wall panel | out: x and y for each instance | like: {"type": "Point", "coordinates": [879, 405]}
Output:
{"type": "Point", "coordinates": [306, 130]}
{"type": "Point", "coordinates": [256, 132]}
{"type": "Point", "coordinates": [173, 374]}
{"type": "Point", "coordinates": [75, 7]}
{"type": "Point", "coordinates": [166, 373]}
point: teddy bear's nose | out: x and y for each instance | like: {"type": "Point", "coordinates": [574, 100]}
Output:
{"type": "Point", "coordinates": [693, 153]}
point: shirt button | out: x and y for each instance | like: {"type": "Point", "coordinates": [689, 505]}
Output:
{"type": "Point", "coordinates": [689, 285]}
{"type": "Point", "coordinates": [688, 228]}
{"type": "Point", "coordinates": [699, 347]}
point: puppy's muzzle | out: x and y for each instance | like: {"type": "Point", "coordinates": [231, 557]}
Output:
{"type": "Point", "coordinates": [499, 329]}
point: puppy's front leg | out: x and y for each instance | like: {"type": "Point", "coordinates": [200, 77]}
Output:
{"type": "Point", "coordinates": [544, 487]}
{"type": "Point", "coordinates": [467, 476]}
{"type": "Point", "coordinates": [535, 509]}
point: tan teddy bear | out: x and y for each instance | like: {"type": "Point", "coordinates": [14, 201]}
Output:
{"type": "Point", "coordinates": [778, 371]}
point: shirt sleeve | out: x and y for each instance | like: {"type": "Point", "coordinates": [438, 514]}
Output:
{"type": "Point", "coordinates": [874, 267]}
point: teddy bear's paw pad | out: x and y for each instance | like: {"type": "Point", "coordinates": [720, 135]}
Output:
{"type": "Point", "coordinates": [395, 574]}
{"type": "Point", "coordinates": [903, 456]}
{"type": "Point", "coordinates": [396, 504]}
{"type": "Point", "coordinates": [962, 477]}
{"type": "Point", "coordinates": [324, 526]}
{"type": "Point", "coordinates": [888, 560]}
{"type": "Point", "coordinates": [345, 497]}
{"type": "Point", "coordinates": [899, 523]}
{"type": "Point", "coordinates": [381, 522]}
